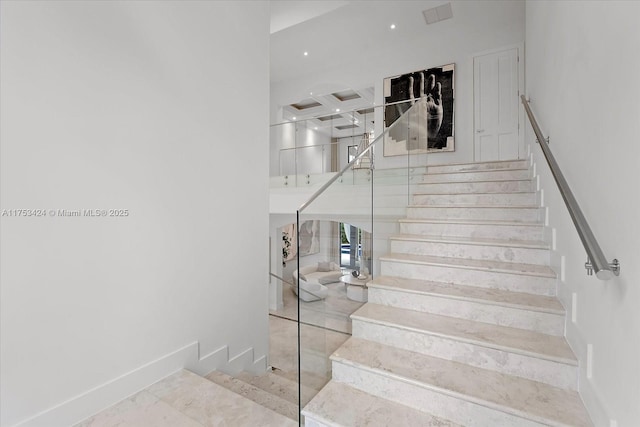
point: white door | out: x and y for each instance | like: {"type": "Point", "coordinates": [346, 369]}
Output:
{"type": "Point", "coordinates": [495, 80]}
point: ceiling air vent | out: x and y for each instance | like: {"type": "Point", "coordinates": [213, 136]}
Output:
{"type": "Point", "coordinates": [436, 14]}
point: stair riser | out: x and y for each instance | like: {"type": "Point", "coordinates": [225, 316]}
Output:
{"type": "Point", "coordinates": [471, 277]}
{"type": "Point", "coordinates": [546, 323]}
{"type": "Point", "coordinates": [516, 164]}
{"type": "Point", "coordinates": [490, 231]}
{"type": "Point", "coordinates": [506, 175]}
{"type": "Point", "coordinates": [506, 199]}
{"type": "Point", "coordinates": [467, 251]}
{"type": "Point", "coordinates": [473, 213]}
{"type": "Point", "coordinates": [530, 367]}
{"type": "Point", "coordinates": [429, 400]}
{"type": "Point", "coordinates": [476, 187]}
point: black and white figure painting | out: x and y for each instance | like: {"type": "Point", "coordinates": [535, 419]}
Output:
{"type": "Point", "coordinates": [430, 126]}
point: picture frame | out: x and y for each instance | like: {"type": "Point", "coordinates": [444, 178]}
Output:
{"type": "Point", "coordinates": [401, 92]}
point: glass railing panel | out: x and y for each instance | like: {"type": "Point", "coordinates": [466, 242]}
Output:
{"type": "Point", "coordinates": [283, 338]}
{"type": "Point", "coordinates": [340, 234]}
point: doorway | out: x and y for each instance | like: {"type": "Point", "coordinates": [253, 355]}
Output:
{"type": "Point", "coordinates": [497, 82]}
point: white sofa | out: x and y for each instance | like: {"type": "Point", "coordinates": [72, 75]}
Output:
{"type": "Point", "coordinates": [313, 279]}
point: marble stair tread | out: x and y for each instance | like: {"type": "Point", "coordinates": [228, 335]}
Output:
{"type": "Point", "coordinates": [255, 394]}
{"type": "Point", "coordinates": [422, 192]}
{"type": "Point", "coordinates": [473, 264]}
{"type": "Point", "coordinates": [470, 221]}
{"type": "Point", "coordinates": [541, 303]}
{"type": "Point", "coordinates": [472, 241]}
{"type": "Point", "coordinates": [509, 169]}
{"type": "Point", "coordinates": [211, 404]}
{"type": "Point", "coordinates": [475, 187]}
{"type": "Point", "coordinates": [518, 396]}
{"type": "Point", "coordinates": [504, 338]}
{"type": "Point", "coordinates": [338, 404]}
{"type": "Point", "coordinates": [488, 206]}
{"type": "Point", "coordinates": [486, 165]}
{"type": "Point", "coordinates": [278, 385]}
{"type": "Point", "coordinates": [310, 380]}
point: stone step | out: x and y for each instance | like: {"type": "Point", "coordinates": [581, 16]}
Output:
{"type": "Point", "coordinates": [517, 352]}
{"type": "Point", "coordinates": [255, 394]}
{"type": "Point", "coordinates": [474, 199]}
{"type": "Point", "coordinates": [538, 313]}
{"type": "Point", "coordinates": [207, 403]}
{"type": "Point", "coordinates": [528, 278]}
{"type": "Point", "coordinates": [502, 186]}
{"type": "Point", "coordinates": [490, 175]}
{"type": "Point", "coordinates": [478, 212]}
{"type": "Point", "coordinates": [474, 228]}
{"type": "Point", "coordinates": [464, 394]}
{"type": "Point", "coordinates": [278, 385]}
{"type": "Point", "coordinates": [311, 380]}
{"type": "Point", "coordinates": [528, 252]}
{"type": "Point", "coordinates": [340, 405]}
{"type": "Point", "coordinates": [479, 166]}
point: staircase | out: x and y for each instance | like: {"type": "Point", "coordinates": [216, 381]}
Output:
{"type": "Point", "coordinates": [462, 326]}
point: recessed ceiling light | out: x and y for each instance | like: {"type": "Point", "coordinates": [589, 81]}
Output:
{"type": "Point", "coordinates": [337, 109]}
{"type": "Point", "coordinates": [315, 128]}
{"type": "Point", "coordinates": [392, 26]}
{"type": "Point", "coordinates": [310, 93]}
{"type": "Point", "coordinates": [294, 118]}
{"type": "Point", "coordinates": [306, 54]}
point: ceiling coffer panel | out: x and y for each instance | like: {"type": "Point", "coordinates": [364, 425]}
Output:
{"type": "Point", "coordinates": [306, 104]}
{"type": "Point", "coordinates": [346, 95]}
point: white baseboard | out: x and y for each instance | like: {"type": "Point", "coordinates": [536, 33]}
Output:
{"type": "Point", "coordinates": [92, 401]}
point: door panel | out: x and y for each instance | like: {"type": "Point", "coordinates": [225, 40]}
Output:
{"type": "Point", "coordinates": [496, 106]}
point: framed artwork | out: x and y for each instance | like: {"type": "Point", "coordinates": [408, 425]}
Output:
{"type": "Point", "coordinates": [431, 123]}
{"type": "Point", "coordinates": [309, 238]}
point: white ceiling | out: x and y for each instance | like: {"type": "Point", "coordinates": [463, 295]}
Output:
{"type": "Point", "coordinates": [334, 32]}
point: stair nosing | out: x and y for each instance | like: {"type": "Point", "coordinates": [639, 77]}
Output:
{"type": "Point", "coordinates": [481, 343]}
{"type": "Point", "coordinates": [561, 312]}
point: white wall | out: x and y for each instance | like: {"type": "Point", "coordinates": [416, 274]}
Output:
{"type": "Point", "coordinates": [477, 26]}
{"type": "Point", "coordinates": [583, 74]}
{"type": "Point", "coordinates": [129, 105]}
{"type": "Point", "coordinates": [297, 148]}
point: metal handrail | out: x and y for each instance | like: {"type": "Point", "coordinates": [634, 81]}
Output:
{"type": "Point", "coordinates": [353, 162]}
{"type": "Point", "coordinates": [596, 261]}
